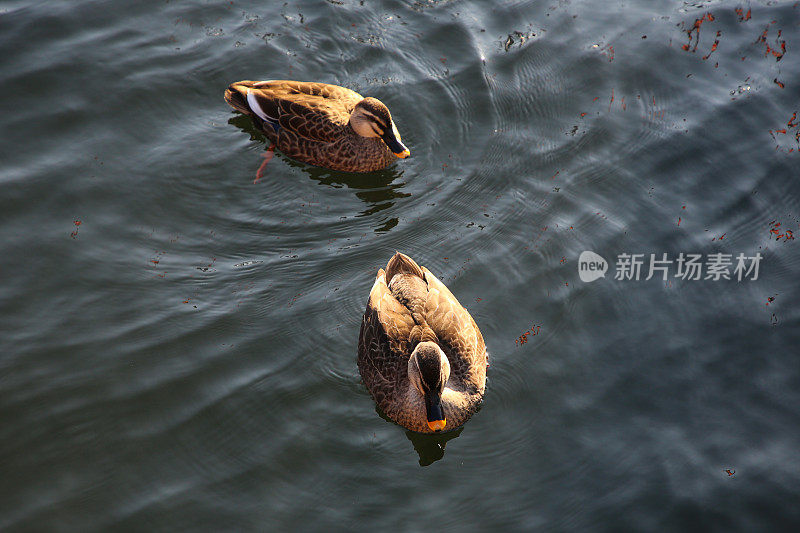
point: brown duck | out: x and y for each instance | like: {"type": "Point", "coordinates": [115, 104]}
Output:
{"type": "Point", "coordinates": [321, 124]}
{"type": "Point", "coordinates": [420, 354]}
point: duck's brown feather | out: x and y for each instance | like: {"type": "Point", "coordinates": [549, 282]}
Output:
{"type": "Point", "coordinates": [390, 331]}
{"type": "Point", "coordinates": [313, 123]}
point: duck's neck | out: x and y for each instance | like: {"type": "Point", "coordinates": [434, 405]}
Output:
{"type": "Point", "coordinates": [457, 405]}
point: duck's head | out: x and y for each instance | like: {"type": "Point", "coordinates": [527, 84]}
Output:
{"type": "Point", "coordinates": [371, 118]}
{"type": "Point", "coordinates": [428, 371]}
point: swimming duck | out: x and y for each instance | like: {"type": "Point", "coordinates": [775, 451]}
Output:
{"type": "Point", "coordinates": [321, 124]}
{"type": "Point", "coordinates": [420, 354]}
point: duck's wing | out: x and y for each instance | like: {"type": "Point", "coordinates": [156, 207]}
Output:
{"type": "Point", "coordinates": [456, 330]}
{"type": "Point", "coordinates": [315, 111]}
{"type": "Point", "coordinates": [406, 282]}
{"type": "Point", "coordinates": [383, 342]}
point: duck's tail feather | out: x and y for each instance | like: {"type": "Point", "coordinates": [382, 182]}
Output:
{"type": "Point", "coordinates": [241, 97]}
{"type": "Point", "coordinates": [401, 263]}
{"type": "Point", "coordinates": [236, 96]}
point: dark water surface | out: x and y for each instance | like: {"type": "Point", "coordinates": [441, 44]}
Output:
{"type": "Point", "coordinates": [178, 344]}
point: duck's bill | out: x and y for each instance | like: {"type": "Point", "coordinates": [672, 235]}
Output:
{"type": "Point", "coordinates": [437, 425]}
{"type": "Point", "coordinates": [399, 149]}
{"type": "Point", "coordinates": [436, 419]}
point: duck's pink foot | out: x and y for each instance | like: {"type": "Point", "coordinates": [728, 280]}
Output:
{"type": "Point", "coordinates": [267, 157]}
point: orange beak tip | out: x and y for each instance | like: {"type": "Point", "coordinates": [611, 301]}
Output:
{"type": "Point", "coordinates": [405, 153]}
{"type": "Point", "coordinates": [437, 425]}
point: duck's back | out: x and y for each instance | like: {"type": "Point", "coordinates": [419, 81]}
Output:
{"type": "Point", "coordinates": [315, 111]}
{"type": "Point", "coordinates": [326, 91]}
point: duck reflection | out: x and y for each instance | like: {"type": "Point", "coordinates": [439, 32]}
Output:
{"type": "Point", "coordinates": [379, 189]}
{"type": "Point", "coordinates": [430, 447]}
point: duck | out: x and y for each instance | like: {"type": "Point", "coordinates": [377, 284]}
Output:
{"type": "Point", "coordinates": [321, 124]}
{"type": "Point", "coordinates": [420, 354]}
